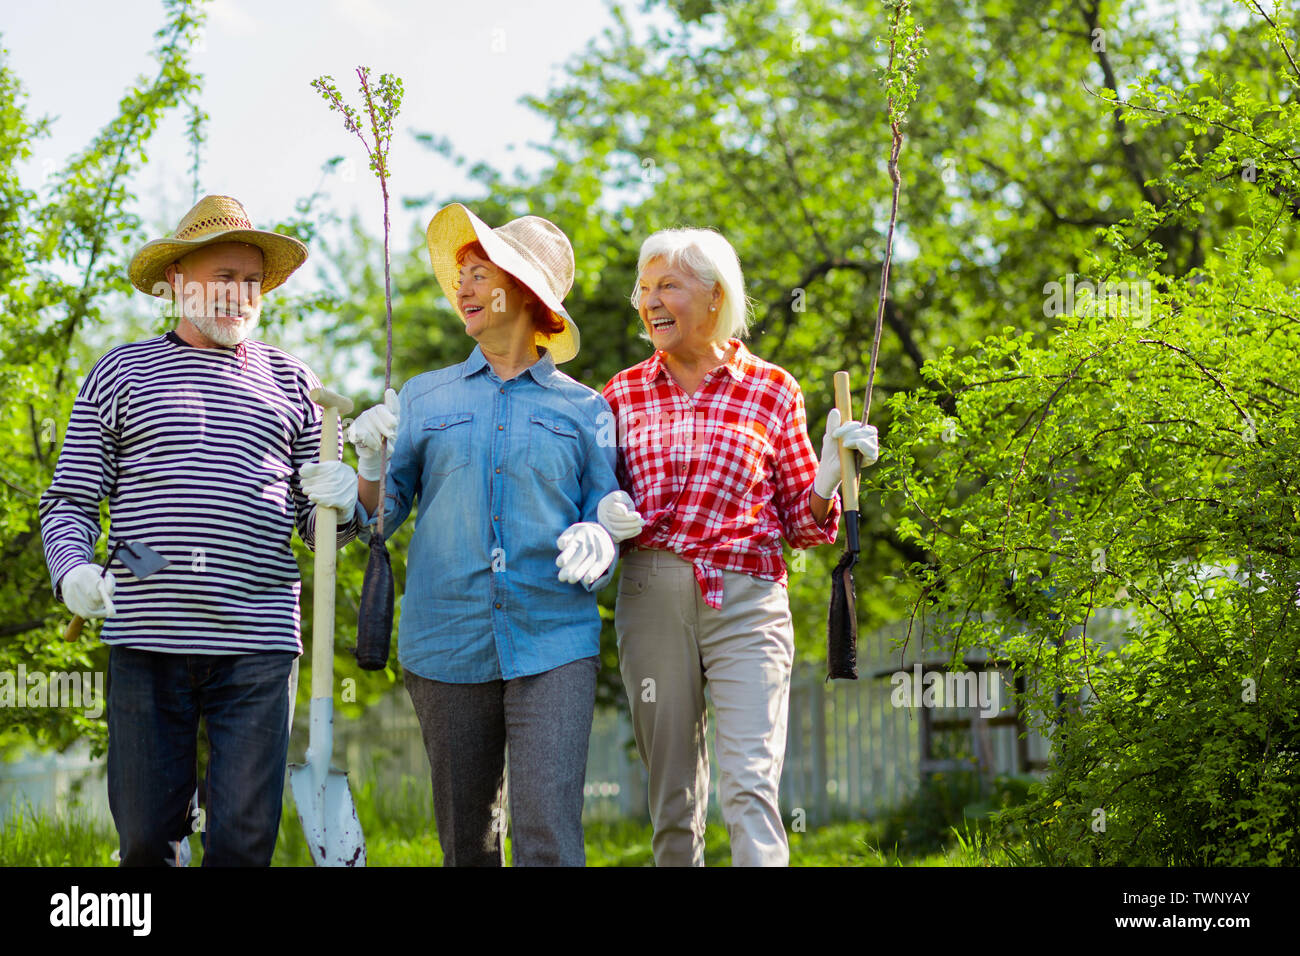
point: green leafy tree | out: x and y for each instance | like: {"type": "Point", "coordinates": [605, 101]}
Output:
{"type": "Point", "coordinates": [1138, 467]}
{"type": "Point", "coordinates": [768, 121]}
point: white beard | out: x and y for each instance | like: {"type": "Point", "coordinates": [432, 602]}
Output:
{"type": "Point", "coordinates": [223, 333]}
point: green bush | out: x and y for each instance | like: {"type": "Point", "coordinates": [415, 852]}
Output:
{"type": "Point", "coordinates": [1138, 470]}
{"type": "Point", "coordinates": [1189, 756]}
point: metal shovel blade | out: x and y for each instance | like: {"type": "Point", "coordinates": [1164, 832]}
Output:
{"type": "Point", "coordinates": [323, 798]}
{"type": "Point", "coordinates": [328, 816]}
{"type": "Point", "coordinates": [140, 559]}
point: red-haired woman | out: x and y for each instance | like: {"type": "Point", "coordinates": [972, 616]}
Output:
{"type": "Point", "coordinates": [501, 452]}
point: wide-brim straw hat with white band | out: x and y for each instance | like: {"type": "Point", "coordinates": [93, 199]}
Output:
{"type": "Point", "coordinates": [531, 249]}
{"type": "Point", "coordinates": [215, 219]}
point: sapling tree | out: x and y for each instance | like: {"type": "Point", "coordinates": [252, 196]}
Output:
{"type": "Point", "coordinates": [375, 614]}
{"type": "Point", "coordinates": [381, 105]}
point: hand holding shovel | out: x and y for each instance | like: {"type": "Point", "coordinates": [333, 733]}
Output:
{"type": "Point", "coordinates": [842, 626]}
{"type": "Point", "coordinates": [321, 793]}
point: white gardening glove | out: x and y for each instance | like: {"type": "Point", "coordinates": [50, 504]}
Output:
{"type": "Point", "coordinates": [88, 592]}
{"type": "Point", "coordinates": [618, 517]}
{"type": "Point", "coordinates": [586, 552]}
{"type": "Point", "coordinates": [330, 484]}
{"type": "Point", "coordinates": [370, 428]}
{"type": "Point", "coordinates": [853, 435]}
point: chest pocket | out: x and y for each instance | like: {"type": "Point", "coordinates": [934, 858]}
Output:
{"type": "Point", "coordinates": [554, 448]}
{"type": "Point", "coordinates": [744, 456]}
{"type": "Point", "coordinates": [446, 443]}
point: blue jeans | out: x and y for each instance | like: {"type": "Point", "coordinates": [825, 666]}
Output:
{"type": "Point", "coordinates": [154, 704]}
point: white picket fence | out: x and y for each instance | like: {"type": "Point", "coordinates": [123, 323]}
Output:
{"type": "Point", "coordinates": [52, 783]}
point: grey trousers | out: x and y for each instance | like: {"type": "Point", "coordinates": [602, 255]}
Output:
{"type": "Point", "coordinates": [545, 719]}
{"type": "Point", "coordinates": [670, 644]}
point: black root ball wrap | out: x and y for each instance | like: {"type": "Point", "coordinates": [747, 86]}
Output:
{"type": "Point", "coordinates": [842, 626]}
{"type": "Point", "coordinates": [375, 615]}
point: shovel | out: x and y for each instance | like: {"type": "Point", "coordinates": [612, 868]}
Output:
{"type": "Point", "coordinates": [140, 560]}
{"type": "Point", "coordinates": [320, 792]}
{"type": "Point", "coordinates": [842, 626]}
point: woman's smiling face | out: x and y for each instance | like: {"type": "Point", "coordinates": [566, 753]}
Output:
{"type": "Point", "coordinates": [679, 311]}
{"type": "Point", "coordinates": [488, 297]}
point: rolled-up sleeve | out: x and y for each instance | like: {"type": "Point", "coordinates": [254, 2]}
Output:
{"type": "Point", "coordinates": [796, 467]}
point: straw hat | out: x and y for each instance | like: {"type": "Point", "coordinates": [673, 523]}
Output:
{"type": "Point", "coordinates": [530, 248]}
{"type": "Point", "coordinates": [215, 219]}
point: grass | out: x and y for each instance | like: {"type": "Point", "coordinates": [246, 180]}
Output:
{"type": "Point", "coordinates": [399, 830]}
{"type": "Point", "coordinates": [73, 838]}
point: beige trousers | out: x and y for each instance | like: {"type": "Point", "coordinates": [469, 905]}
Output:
{"type": "Point", "coordinates": [670, 643]}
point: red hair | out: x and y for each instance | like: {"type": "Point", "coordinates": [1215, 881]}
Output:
{"type": "Point", "coordinates": [545, 322]}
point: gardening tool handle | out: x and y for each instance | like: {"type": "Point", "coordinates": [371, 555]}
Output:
{"type": "Point", "coordinates": [848, 459]}
{"type": "Point", "coordinates": [73, 631]}
{"type": "Point", "coordinates": [322, 640]}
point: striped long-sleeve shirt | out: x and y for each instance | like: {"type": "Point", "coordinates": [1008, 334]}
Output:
{"type": "Point", "coordinates": [198, 452]}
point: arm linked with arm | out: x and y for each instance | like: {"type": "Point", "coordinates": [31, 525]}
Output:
{"type": "Point", "coordinates": [796, 469]}
{"type": "Point", "coordinates": [600, 475]}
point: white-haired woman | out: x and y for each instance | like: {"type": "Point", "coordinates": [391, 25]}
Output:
{"type": "Point", "coordinates": [715, 454]}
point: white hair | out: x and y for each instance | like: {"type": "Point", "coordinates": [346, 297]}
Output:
{"type": "Point", "coordinates": [709, 258]}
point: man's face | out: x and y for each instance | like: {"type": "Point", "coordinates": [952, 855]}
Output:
{"type": "Point", "coordinates": [219, 291]}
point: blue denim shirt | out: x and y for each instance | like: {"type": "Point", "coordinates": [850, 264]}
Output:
{"type": "Point", "coordinates": [500, 470]}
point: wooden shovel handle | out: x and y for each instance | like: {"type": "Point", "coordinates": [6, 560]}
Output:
{"type": "Point", "coordinates": [322, 651]}
{"type": "Point", "coordinates": [74, 628]}
{"type": "Point", "coordinates": [848, 458]}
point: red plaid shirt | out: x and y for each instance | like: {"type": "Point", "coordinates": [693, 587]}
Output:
{"type": "Point", "coordinates": [719, 477]}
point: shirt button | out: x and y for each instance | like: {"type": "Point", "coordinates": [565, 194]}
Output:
{"type": "Point", "coordinates": [498, 471]}
{"type": "Point", "coordinates": [497, 606]}
{"type": "Point", "coordinates": [496, 517]}
{"type": "Point", "coordinates": [502, 390]}
{"type": "Point", "coordinates": [501, 428]}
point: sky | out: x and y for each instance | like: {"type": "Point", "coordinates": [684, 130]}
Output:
{"type": "Point", "coordinates": [464, 66]}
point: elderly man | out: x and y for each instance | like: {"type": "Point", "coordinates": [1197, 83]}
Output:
{"type": "Point", "coordinates": [202, 440]}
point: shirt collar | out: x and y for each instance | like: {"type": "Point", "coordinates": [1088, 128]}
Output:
{"type": "Point", "coordinates": [474, 364]}
{"type": "Point", "coordinates": [738, 365]}
{"type": "Point", "coordinates": [543, 370]}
